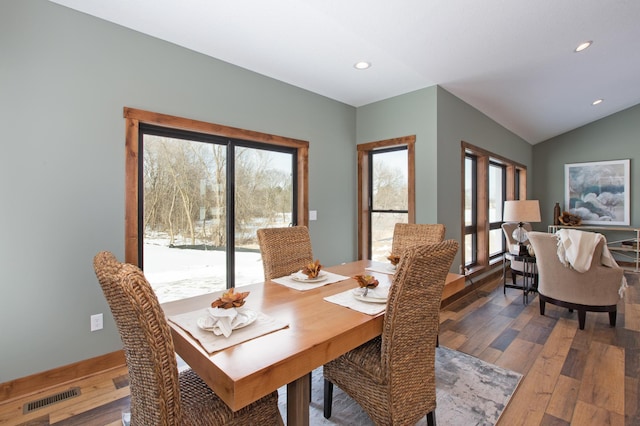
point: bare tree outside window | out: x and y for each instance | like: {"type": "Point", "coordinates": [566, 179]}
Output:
{"type": "Point", "coordinates": [389, 199]}
{"type": "Point", "coordinates": [185, 212]}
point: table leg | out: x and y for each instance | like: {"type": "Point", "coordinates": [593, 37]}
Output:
{"type": "Point", "coordinates": [298, 401]}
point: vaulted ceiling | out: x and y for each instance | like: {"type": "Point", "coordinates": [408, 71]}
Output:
{"type": "Point", "coordinates": [514, 60]}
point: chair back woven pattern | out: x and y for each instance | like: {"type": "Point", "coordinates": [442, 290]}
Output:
{"type": "Point", "coordinates": [146, 336]}
{"type": "Point", "coordinates": [284, 250]}
{"type": "Point", "coordinates": [411, 234]}
{"type": "Point", "coordinates": [410, 329]}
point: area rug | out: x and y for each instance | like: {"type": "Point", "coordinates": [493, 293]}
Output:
{"type": "Point", "coordinates": [469, 391]}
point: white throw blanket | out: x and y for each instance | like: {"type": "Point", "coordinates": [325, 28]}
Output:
{"type": "Point", "coordinates": [575, 250]}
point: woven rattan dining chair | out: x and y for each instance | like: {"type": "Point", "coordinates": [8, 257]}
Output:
{"type": "Point", "coordinates": [392, 377]}
{"type": "Point", "coordinates": [412, 234]}
{"type": "Point", "coordinates": [160, 395]}
{"type": "Point", "coordinates": [284, 250]}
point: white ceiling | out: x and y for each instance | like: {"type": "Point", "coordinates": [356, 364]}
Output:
{"type": "Point", "coordinates": [513, 60]}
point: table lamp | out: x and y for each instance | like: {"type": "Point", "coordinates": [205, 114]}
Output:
{"type": "Point", "coordinates": [521, 211]}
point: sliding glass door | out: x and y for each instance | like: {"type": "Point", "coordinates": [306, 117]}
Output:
{"type": "Point", "coordinates": [203, 198]}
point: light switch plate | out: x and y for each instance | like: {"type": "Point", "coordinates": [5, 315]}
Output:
{"type": "Point", "coordinates": [96, 322]}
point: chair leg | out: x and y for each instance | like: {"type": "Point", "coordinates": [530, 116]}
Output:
{"type": "Point", "coordinates": [582, 315]}
{"type": "Point", "coordinates": [310, 382]}
{"type": "Point", "coordinates": [612, 318]}
{"type": "Point", "coordinates": [542, 305]}
{"type": "Point", "coordinates": [431, 418]}
{"type": "Point", "coordinates": [328, 398]}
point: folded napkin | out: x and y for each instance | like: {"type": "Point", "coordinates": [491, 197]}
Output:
{"type": "Point", "coordinates": [189, 321]}
{"type": "Point", "coordinates": [374, 293]}
{"type": "Point", "coordinates": [223, 321]}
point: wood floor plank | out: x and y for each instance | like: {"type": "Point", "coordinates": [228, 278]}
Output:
{"type": "Point", "coordinates": [564, 397]}
{"type": "Point", "coordinates": [632, 316]}
{"type": "Point", "coordinates": [84, 408]}
{"type": "Point", "coordinates": [574, 364]}
{"type": "Point", "coordinates": [474, 321]}
{"type": "Point", "coordinates": [549, 420]}
{"type": "Point", "coordinates": [461, 309]}
{"type": "Point", "coordinates": [490, 355]}
{"type": "Point", "coordinates": [519, 355]}
{"type": "Point", "coordinates": [451, 339]}
{"type": "Point", "coordinates": [587, 414]}
{"type": "Point", "coordinates": [504, 339]}
{"type": "Point", "coordinates": [604, 385]}
{"type": "Point", "coordinates": [632, 400]}
{"type": "Point", "coordinates": [525, 316]}
{"type": "Point", "coordinates": [99, 415]}
{"type": "Point", "coordinates": [95, 391]}
{"type": "Point", "coordinates": [481, 339]}
{"type": "Point", "coordinates": [533, 394]}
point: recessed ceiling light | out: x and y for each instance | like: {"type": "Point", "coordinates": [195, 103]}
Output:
{"type": "Point", "coordinates": [583, 46]}
{"type": "Point", "coordinates": [362, 65]}
{"type": "Point", "coordinates": [597, 102]}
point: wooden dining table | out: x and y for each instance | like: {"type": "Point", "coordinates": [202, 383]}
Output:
{"type": "Point", "coordinates": [318, 331]}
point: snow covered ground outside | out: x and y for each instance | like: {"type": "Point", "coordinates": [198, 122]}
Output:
{"type": "Point", "coordinates": [180, 273]}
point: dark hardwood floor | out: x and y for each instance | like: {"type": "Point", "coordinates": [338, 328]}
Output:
{"type": "Point", "coordinates": [571, 376]}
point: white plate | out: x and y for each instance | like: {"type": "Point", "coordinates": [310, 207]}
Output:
{"type": "Point", "coordinates": [302, 278]}
{"type": "Point", "coordinates": [243, 319]}
{"type": "Point", "coordinates": [371, 297]}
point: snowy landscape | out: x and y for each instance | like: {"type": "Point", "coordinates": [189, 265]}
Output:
{"type": "Point", "coordinates": [176, 273]}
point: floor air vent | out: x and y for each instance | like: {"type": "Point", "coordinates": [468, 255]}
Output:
{"type": "Point", "coordinates": [52, 399]}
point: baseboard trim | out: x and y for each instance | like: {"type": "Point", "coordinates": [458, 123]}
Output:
{"type": "Point", "coordinates": [37, 382]}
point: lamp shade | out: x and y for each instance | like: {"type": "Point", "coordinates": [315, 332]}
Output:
{"type": "Point", "coordinates": [521, 211]}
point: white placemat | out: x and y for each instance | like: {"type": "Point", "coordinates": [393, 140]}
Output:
{"type": "Point", "coordinates": [188, 321]}
{"type": "Point", "coordinates": [384, 268]}
{"type": "Point", "coordinates": [288, 281]}
{"type": "Point", "coordinates": [347, 299]}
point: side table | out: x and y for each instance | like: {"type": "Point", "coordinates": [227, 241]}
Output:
{"type": "Point", "coordinates": [529, 275]}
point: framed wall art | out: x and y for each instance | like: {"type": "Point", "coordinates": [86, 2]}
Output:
{"type": "Point", "coordinates": [598, 192]}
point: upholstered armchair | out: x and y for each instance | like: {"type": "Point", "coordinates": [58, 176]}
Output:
{"type": "Point", "coordinates": [595, 290]}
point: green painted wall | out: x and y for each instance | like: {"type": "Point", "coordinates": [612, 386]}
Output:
{"type": "Point", "coordinates": [615, 137]}
{"type": "Point", "coordinates": [410, 114]}
{"type": "Point", "coordinates": [457, 122]}
{"type": "Point", "coordinates": [440, 122]}
{"type": "Point", "coordinates": [65, 78]}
